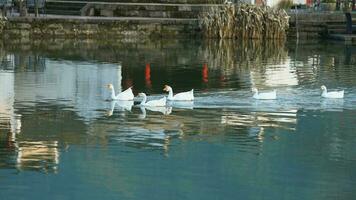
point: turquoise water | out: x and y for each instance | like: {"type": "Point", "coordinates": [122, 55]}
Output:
{"type": "Point", "coordinates": [61, 139]}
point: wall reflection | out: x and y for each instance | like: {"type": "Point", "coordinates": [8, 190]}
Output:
{"type": "Point", "coordinates": [38, 155]}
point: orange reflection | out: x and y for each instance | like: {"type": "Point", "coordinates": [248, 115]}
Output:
{"type": "Point", "coordinates": [205, 73]}
{"type": "Point", "coordinates": [222, 80]}
{"type": "Point", "coordinates": [148, 75]}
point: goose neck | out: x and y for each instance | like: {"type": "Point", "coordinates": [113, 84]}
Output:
{"type": "Point", "coordinates": [144, 99]}
{"type": "Point", "coordinates": [113, 96]}
{"type": "Point", "coordinates": [170, 93]}
{"type": "Point", "coordinates": [255, 95]}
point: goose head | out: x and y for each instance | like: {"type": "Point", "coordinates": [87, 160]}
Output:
{"type": "Point", "coordinates": [144, 98]}
{"type": "Point", "coordinates": [323, 88]}
{"type": "Point", "coordinates": [110, 86]}
{"type": "Point", "coordinates": [167, 88]}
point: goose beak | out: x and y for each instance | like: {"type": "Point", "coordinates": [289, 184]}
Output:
{"type": "Point", "coordinates": [165, 88]}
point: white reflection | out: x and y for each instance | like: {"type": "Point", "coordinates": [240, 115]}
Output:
{"type": "Point", "coordinates": [144, 137]}
{"type": "Point", "coordinates": [7, 99]}
{"type": "Point", "coordinates": [332, 104]}
{"type": "Point", "coordinates": [80, 84]}
{"type": "Point", "coordinates": [275, 75]}
{"type": "Point", "coordinates": [120, 105]}
{"type": "Point", "coordinates": [16, 124]}
{"type": "Point", "coordinates": [163, 110]}
{"type": "Point", "coordinates": [181, 104]}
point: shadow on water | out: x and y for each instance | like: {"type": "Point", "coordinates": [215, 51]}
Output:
{"type": "Point", "coordinates": [54, 116]}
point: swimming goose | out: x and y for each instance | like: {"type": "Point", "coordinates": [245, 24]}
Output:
{"type": "Point", "coordinates": [155, 103]}
{"type": "Point", "coordinates": [126, 95]}
{"type": "Point", "coordinates": [334, 95]}
{"type": "Point", "coordinates": [183, 96]}
{"type": "Point", "coordinates": [264, 95]}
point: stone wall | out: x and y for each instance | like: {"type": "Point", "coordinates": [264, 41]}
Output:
{"type": "Point", "coordinates": [146, 10]}
{"type": "Point", "coordinates": [309, 25]}
{"type": "Point", "coordinates": [78, 27]}
{"type": "Point", "coordinates": [315, 24]}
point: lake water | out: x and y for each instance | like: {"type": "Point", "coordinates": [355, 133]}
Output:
{"type": "Point", "coordinates": [61, 139]}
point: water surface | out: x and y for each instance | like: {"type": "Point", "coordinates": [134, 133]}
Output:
{"type": "Point", "coordinates": [61, 139]}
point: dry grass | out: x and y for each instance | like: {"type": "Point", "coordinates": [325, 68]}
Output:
{"type": "Point", "coordinates": [285, 4]}
{"type": "Point", "coordinates": [242, 21]}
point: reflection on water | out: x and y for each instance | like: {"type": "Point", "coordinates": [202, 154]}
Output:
{"type": "Point", "coordinates": [181, 104]}
{"type": "Point", "coordinates": [8, 118]}
{"type": "Point", "coordinates": [42, 155]}
{"type": "Point", "coordinates": [332, 104]}
{"type": "Point", "coordinates": [54, 118]}
{"type": "Point", "coordinates": [163, 110]}
{"type": "Point", "coordinates": [120, 106]}
{"type": "Point", "coordinates": [284, 120]}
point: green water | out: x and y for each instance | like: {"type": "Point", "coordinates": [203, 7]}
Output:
{"type": "Point", "coordinates": [61, 139]}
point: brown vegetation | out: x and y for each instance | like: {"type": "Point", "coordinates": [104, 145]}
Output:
{"type": "Point", "coordinates": [243, 21]}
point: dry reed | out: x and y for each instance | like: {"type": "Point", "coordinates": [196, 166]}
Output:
{"type": "Point", "coordinates": [244, 21]}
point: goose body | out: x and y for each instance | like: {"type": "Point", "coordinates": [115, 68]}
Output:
{"type": "Point", "coordinates": [183, 96]}
{"type": "Point", "coordinates": [264, 95]}
{"type": "Point", "coordinates": [126, 95]}
{"type": "Point", "coordinates": [332, 95]}
{"type": "Point", "coordinates": [153, 103]}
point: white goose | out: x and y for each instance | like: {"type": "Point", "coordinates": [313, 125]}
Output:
{"type": "Point", "coordinates": [154, 103]}
{"type": "Point", "coordinates": [183, 96]}
{"type": "Point", "coordinates": [264, 95]}
{"type": "Point", "coordinates": [333, 95]}
{"type": "Point", "coordinates": [126, 95]}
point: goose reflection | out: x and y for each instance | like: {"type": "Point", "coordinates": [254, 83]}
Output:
{"type": "Point", "coordinates": [332, 104]}
{"type": "Point", "coordinates": [266, 105]}
{"type": "Point", "coordinates": [122, 106]}
{"type": "Point", "coordinates": [181, 104]}
{"type": "Point", "coordinates": [256, 132]}
{"type": "Point", "coordinates": [163, 110]}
